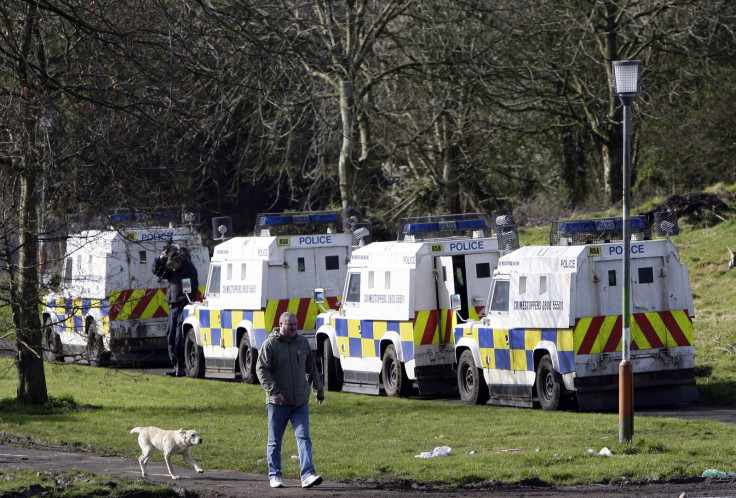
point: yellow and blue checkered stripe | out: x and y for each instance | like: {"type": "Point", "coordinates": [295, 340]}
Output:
{"type": "Point", "coordinates": [513, 349]}
{"type": "Point", "coordinates": [72, 312]}
{"type": "Point", "coordinates": [361, 338]}
{"type": "Point", "coordinates": [219, 327]}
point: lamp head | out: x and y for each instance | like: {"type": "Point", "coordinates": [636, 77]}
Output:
{"type": "Point", "coordinates": [626, 78]}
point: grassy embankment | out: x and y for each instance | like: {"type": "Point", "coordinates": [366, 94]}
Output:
{"type": "Point", "coordinates": [368, 437]}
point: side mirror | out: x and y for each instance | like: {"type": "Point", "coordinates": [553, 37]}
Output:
{"type": "Point", "coordinates": [319, 299]}
{"type": "Point", "coordinates": [186, 287]}
{"type": "Point", "coordinates": [455, 303]}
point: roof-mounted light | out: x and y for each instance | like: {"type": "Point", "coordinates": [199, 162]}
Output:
{"type": "Point", "coordinates": [145, 216]}
{"type": "Point", "coordinates": [599, 230]}
{"type": "Point", "coordinates": [298, 223]}
{"type": "Point", "coordinates": [444, 227]}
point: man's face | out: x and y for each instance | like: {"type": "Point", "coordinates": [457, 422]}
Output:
{"type": "Point", "coordinates": [176, 264]}
{"type": "Point", "coordinates": [287, 328]}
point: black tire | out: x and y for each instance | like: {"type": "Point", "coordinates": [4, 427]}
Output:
{"type": "Point", "coordinates": [247, 359]}
{"type": "Point", "coordinates": [331, 369]}
{"type": "Point", "coordinates": [548, 384]}
{"type": "Point", "coordinates": [54, 350]}
{"type": "Point", "coordinates": [471, 384]}
{"type": "Point", "coordinates": [193, 356]}
{"type": "Point", "coordinates": [95, 349]}
{"type": "Point", "coordinates": [393, 375]}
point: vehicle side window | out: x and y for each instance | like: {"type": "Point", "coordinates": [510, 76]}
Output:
{"type": "Point", "coordinates": [332, 262]}
{"type": "Point", "coordinates": [353, 288]}
{"type": "Point", "coordinates": [500, 299]}
{"type": "Point", "coordinates": [213, 286]}
{"type": "Point", "coordinates": [68, 269]}
{"type": "Point", "coordinates": [646, 275]}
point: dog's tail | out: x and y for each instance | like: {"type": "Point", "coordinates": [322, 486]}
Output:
{"type": "Point", "coordinates": [135, 430]}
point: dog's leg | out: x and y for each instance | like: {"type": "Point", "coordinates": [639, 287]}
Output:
{"type": "Point", "coordinates": [167, 458]}
{"type": "Point", "coordinates": [143, 460]}
{"type": "Point", "coordinates": [188, 458]}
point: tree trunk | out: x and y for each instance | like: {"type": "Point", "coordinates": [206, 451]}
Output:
{"type": "Point", "coordinates": [345, 165]}
{"type": "Point", "coordinates": [29, 361]}
{"type": "Point", "coordinates": [24, 281]}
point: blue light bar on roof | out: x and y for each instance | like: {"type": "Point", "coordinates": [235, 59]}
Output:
{"type": "Point", "coordinates": [443, 226]}
{"type": "Point", "coordinates": [420, 227]}
{"type": "Point", "coordinates": [599, 225]}
{"type": "Point", "coordinates": [298, 219]}
{"type": "Point", "coordinates": [476, 224]}
{"type": "Point", "coordinates": [324, 218]}
{"type": "Point", "coordinates": [276, 220]}
{"type": "Point", "coordinates": [121, 217]}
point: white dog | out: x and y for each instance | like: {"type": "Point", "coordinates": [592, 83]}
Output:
{"type": "Point", "coordinates": [170, 442]}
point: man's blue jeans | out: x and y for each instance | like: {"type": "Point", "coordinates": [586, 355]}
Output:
{"type": "Point", "coordinates": [278, 417]}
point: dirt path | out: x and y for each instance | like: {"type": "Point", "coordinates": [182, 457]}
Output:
{"type": "Point", "coordinates": [230, 483]}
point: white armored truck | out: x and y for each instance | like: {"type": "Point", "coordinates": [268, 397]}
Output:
{"type": "Point", "coordinates": [109, 305]}
{"type": "Point", "coordinates": [394, 326]}
{"type": "Point", "coordinates": [553, 323]}
{"type": "Point", "coordinates": [253, 280]}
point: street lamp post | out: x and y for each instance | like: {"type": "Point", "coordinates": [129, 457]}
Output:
{"type": "Point", "coordinates": [626, 86]}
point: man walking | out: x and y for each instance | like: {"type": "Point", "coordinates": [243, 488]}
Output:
{"type": "Point", "coordinates": [286, 369]}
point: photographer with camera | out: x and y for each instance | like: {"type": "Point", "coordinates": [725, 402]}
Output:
{"type": "Point", "coordinates": [182, 277]}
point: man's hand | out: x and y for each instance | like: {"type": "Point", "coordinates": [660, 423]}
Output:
{"type": "Point", "coordinates": [320, 401]}
{"type": "Point", "coordinates": [278, 399]}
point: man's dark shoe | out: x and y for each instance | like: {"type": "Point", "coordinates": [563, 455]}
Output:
{"type": "Point", "coordinates": [173, 373]}
{"type": "Point", "coordinates": [181, 373]}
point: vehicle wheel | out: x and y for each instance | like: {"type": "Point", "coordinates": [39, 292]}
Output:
{"type": "Point", "coordinates": [95, 348]}
{"type": "Point", "coordinates": [549, 385]}
{"type": "Point", "coordinates": [470, 382]}
{"type": "Point", "coordinates": [393, 375]}
{"type": "Point", "coordinates": [193, 356]}
{"type": "Point", "coordinates": [54, 350]}
{"type": "Point", "coordinates": [331, 369]}
{"type": "Point", "coordinates": [247, 360]}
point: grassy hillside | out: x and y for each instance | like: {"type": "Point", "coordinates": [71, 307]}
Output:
{"type": "Point", "coordinates": [704, 241]}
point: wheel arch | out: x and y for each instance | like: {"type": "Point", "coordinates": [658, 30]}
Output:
{"type": "Point", "coordinates": [243, 327]}
{"type": "Point", "coordinates": [543, 348]}
{"type": "Point", "coordinates": [467, 343]}
{"type": "Point", "coordinates": [391, 338]}
{"type": "Point", "coordinates": [327, 333]}
{"type": "Point", "coordinates": [191, 323]}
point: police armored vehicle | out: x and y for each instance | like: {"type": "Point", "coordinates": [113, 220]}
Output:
{"type": "Point", "coordinates": [394, 326]}
{"type": "Point", "coordinates": [109, 305]}
{"type": "Point", "coordinates": [253, 280]}
{"type": "Point", "coordinates": [553, 322]}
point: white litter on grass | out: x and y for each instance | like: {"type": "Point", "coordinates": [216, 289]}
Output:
{"type": "Point", "coordinates": [437, 452]}
{"type": "Point", "coordinates": [604, 452]}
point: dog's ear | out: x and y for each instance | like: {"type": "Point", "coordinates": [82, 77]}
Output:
{"type": "Point", "coordinates": [182, 432]}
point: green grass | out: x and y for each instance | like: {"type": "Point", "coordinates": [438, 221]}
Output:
{"type": "Point", "coordinates": [363, 437]}
{"type": "Point", "coordinates": [367, 437]}
{"type": "Point", "coordinates": [77, 483]}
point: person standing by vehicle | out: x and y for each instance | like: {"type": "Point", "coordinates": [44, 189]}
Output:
{"type": "Point", "coordinates": [181, 277]}
{"type": "Point", "coordinates": [286, 369]}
